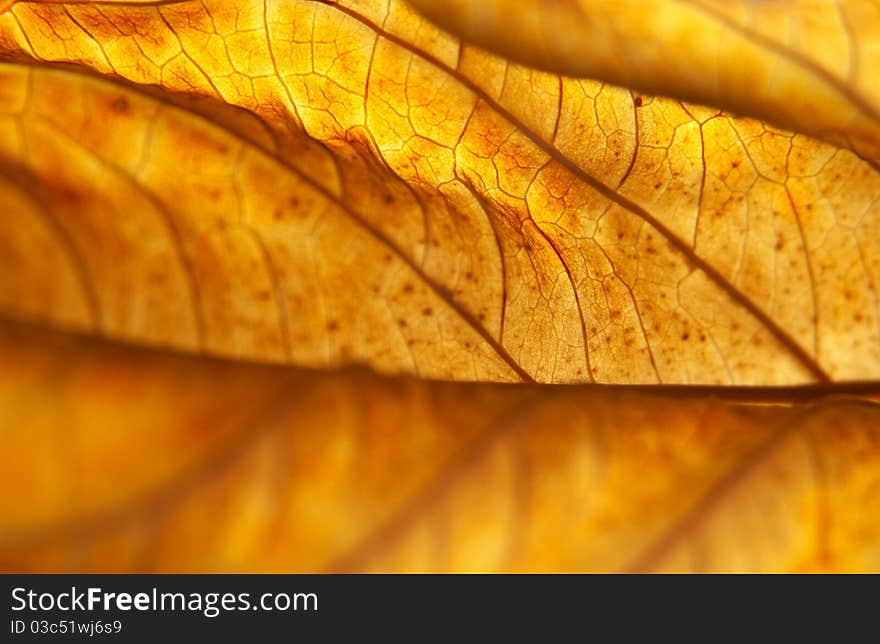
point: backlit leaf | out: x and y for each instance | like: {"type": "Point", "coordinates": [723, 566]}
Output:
{"type": "Point", "coordinates": [353, 206]}
{"type": "Point", "coordinates": [326, 184]}
{"type": "Point", "coordinates": [272, 469]}
{"type": "Point", "coordinates": [808, 66]}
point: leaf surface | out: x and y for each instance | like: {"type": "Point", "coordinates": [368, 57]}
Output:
{"type": "Point", "coordinates": [807, 66]}
{"type": "Point", "coordinates": [330, 184]}
{"type": "Point", "coordinates": [256, 468]}
{"type": "Point", "coordinates": [375, 206]}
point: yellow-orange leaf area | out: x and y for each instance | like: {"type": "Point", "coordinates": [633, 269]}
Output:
{"type": "Point", "coordinates": [806, 65]}
{"type": "Point", "coordinates": [231, 467]}
{"type": "Point", "coordinates": [328, 184]}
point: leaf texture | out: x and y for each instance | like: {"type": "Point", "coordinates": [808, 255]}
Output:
{"type": "Point", "coordinates": [348, 211]}
{"type": "Point", "coordinates": [259, 468]}
{"type": "Point", "coordinates": [329, 184]}
{"type": "Point", "coordinates": [807, 66]}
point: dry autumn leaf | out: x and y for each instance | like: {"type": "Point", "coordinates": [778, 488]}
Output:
{"type": "Point", "coordinates": [331, 184]}
{"type": "Point", "coordinates": [356, 186]}
{"type": "Point", "coordinates": [807, 65]}
{"type": "Point", "coordinates": [243, 467]}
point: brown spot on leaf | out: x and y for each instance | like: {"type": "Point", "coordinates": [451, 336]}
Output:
{"type": "Point", "coordinates": [120, 105]}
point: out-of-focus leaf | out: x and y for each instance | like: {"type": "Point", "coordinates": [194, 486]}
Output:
{"type": "Point", "coordinates": [327, 184]}
{"type": "Point", "coordinates": [805, 65]}
{"type": "Point", "coordinates": [235, 467]}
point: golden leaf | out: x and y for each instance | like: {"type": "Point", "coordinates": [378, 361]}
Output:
{"type": "Point", "coordinates": [256, 468]}
{"type": "Point", "coordinates": [807, 66]}
{"type": "Point", "coordinates": [329, 184]}
{"type": "Point", "coordinates": [393, 197]}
